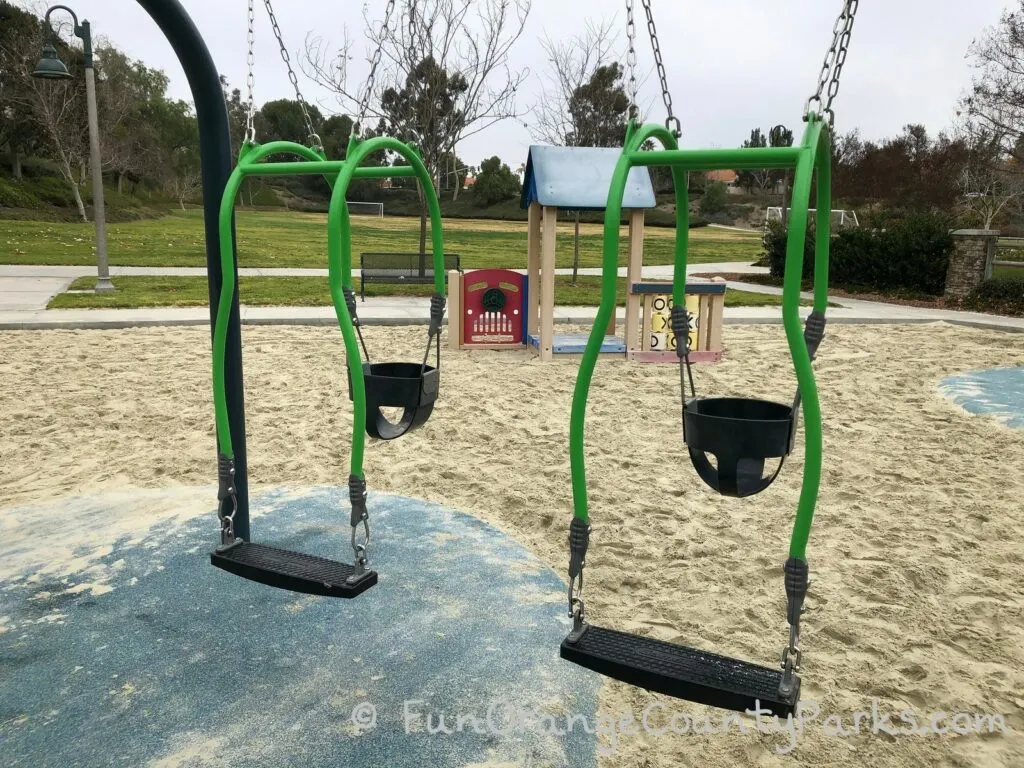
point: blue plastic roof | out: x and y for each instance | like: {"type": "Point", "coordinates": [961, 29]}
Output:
{"type": "Point", "coordinates": [579, 177]}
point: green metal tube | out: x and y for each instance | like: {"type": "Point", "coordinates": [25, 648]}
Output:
{"type": "Point", "coordinates": [720, 159]}
{"type": "Point", "coordinates": [636, 136]}
{"type": "Point", "coordinates": [815, 148]}
{"type": "Point", "coordinates": [227, 295]}
{"type": "Point", "coordinates": [324, 167]}
{"type": "Point", "coordinates": [339, 256]}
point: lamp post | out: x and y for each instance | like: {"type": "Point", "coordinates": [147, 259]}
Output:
{"type": "Point", "coordinates": [50, 67]}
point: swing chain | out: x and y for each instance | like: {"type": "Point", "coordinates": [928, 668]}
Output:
{"type": "Point", "coordinates": [250, 108]}
{"type": "Point", "coordinates": [364, 105]}
{"type": "Point", "coordinates": [634, 111]}
{"type": "Point", "coordinates": [226, 491]}
{"type": "Point", "coordinates": [671, 121]}
{"type": "Point", "coordinates": [313, 138]}
{"type": "Point", "coordinates": [833, 64]}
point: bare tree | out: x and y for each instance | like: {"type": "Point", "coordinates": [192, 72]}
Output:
{"type": "Point", "coordinates": [996, 100]}
{"type": "Point", "coordinates": [466, 41]}
{"type": "Point", "coordinates": [571, 65]}
{"type": "Point", "coordinates": [991, 179]}
{"type": "Point", "coordinates": [57, 107]}
{"type": "Point", "coordinates": [582, 101]}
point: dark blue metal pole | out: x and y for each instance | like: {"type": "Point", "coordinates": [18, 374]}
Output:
{"type": "Point", "coordinates": [217, 161]}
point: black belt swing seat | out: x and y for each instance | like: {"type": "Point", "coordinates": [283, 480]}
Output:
{"type": "Point", "coordinates": [411, 386]}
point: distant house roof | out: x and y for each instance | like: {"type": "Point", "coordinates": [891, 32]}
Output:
{"type": "Point", "coordinates": [727, 176]}
{"type": "Point", "coordinates": [578, 178]}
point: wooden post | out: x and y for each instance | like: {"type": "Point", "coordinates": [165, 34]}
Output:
{"type": "Point", "coordinates": [645, 336]}
{"type": "Point", "coordinates": [533, 269]}
{"type": "Point", "coordinates": [717, 306]}
{"type": "Point", "coordinates": [634, 274]}
{"type": "Point", "coordinates": [547, 282]}
{"type": "Point", "coordinates": [704, 320]}
{"type": "Point", "coordinates": [455, 319]}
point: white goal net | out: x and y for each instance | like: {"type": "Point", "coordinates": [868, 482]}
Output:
{"type": "Point", "coordinates": [356, 208]}
{"type": "Point", "coordinates": [840, 217]}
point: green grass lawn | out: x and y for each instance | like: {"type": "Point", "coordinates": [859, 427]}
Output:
{"type": "Point", "coordinates": [289, 239]}
{"type": "Point", "coordinates": [1001, 271]}
{"type": "Point", "coordinates": [313, 292]}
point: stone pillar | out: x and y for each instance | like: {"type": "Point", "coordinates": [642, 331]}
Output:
{"type": "Point", "coordinates": [970, 261]}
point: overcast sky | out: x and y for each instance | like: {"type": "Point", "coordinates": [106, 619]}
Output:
{"type": "Point", "coordinates": [732, 64]}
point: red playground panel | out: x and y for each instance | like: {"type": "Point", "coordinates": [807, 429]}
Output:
{"type": "Point", "coordinates": [493, 307]}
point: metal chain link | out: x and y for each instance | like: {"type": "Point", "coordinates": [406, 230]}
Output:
{"type": "Point", "coordinates": [671, 121]}
{"type": "Point", "coordinates": [634, 110]}
{"type": "Point", "coordinates": [364, 105]}
{"type": "Point", "coordinates": [832, 67]}
{"type": "Point", "coordinates": [250, 109]}
{"type": "Point", "coordinates": [313, 138]}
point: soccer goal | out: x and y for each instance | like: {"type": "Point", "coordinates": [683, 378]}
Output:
{"type": "Point", "coordinates": [366, 209]}
{"type": "Point", "coordinates": [840, 217]}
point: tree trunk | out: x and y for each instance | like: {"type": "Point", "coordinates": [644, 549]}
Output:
{"type": "Point", "coordinates": [69, 177]}
{"type": "Point", "coordinates": [576, 250]}
{"type": "Point", "coordinates": [16, 166]}
{"type": "Point", "coordinates": [120, 183]}
{"type": "Point", "coordinates": [83, 175]}
{"type": "Point", "coordinates": [423, 217]}
{"type": "Point", "coordinates": [458, 186]}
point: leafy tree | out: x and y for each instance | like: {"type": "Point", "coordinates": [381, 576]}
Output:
{"type": "Point", "coordinates": [18, 131]}
{"type": "Point", "coordinates": [282, 120]}
{"type": "Point", "coordinates": [599, 110]}
{"type": "Point", "coordinates": [334, 132]}
{"type": "Point", "coordinates": [749, 179]}
{"type": "Point", "coordinates": [56, 108]}
{"type": "Point", "coordinates": [495, 183]}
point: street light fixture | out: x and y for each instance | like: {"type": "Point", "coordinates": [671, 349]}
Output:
{"type": "Point", "coordinates": [50, 67]}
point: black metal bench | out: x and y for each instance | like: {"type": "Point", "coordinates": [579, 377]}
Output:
{"type": "Point", "coordinates": [416, 268]}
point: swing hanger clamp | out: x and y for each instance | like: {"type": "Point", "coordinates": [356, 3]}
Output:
{"type": "Point", "coordinates": [357, 497]}
{"type": "Point", "coordinates": [832, 67]}
{"type": "Point", "coordinates": [226, 492]}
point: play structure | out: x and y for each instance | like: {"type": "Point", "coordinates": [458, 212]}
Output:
{"type": "Point", "coordinates": [730, 440]}
{"type": "Point", "coordinates": [499, 309]}
{"type": "Point", "coordinates": [412, 386]}
{"type": "Point", "coordinates": [490, 309]}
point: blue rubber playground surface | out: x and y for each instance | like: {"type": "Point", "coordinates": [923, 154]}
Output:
{"type": "Point", "coordinates": [120, 645]}
{"type": "Point", "coordinates": [995, 392]}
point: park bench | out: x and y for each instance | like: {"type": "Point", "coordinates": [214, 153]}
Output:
{"type": "Point", "coordinates": [417, 268]}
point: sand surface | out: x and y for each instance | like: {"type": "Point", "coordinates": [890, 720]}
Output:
{"type": "Point", "coordinates": [918, 580]}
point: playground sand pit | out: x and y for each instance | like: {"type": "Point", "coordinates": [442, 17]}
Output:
{"type": "Point", "coordinates": [916, 601]}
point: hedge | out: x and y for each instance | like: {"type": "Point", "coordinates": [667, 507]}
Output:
{"type": "Point", "coordinates": [910, 254]}
{"type": "Point", "coordinates": [1003, 295]}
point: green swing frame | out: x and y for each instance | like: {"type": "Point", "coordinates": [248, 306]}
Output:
{"type": "Point", "coordinates": [667, 668]}
{"type": "Point", "coordinates": [812, 155]}
{"type": "Point", "coordinates": [253, 161]}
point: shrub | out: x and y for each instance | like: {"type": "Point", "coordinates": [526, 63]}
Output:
{"type": "Point", "coordinates": [910, 254]}
{"type": "Point", "coordinates": [1004, 295]}
{"type": "Point", "coordinates": [15, 194]}
{"type": "Point", "coordinates": [716, 194]}
{"type": "Point", "coordinates": [53, 190]}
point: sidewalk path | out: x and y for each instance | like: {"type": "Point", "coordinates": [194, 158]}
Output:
{"type": "Point", "coordinates": [25, 291]}
{"type": "Point", "coordinates": [28, 287]}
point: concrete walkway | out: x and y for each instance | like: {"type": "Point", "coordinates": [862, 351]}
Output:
{"type": "Point", "coordinates": [26, 290]}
